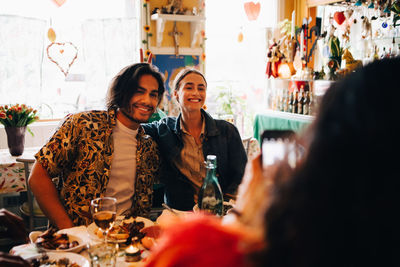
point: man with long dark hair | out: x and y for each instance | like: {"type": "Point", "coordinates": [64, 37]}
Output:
{"type": "Point", "coordinates": [102, 153]}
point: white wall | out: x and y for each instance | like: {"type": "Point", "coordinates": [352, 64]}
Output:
{"type": "Point", "coordinates": [42, 132]}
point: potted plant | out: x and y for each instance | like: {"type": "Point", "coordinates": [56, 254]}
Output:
{"type": "Point", "coordinates": [15, 119]}
{"type": "Point", "coordinates": [230, 104]}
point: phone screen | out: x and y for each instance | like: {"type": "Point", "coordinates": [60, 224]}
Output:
{"type": "Point", "coordinates": [276, 145]}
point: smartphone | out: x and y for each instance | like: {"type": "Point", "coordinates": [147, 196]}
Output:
{"type": "Point", "coordinates": [278, 145]}
{"type": "Point", "coordinates": [277, 134]}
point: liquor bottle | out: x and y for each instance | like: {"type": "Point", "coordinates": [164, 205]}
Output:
{"type": "Point", "coordinates": [290, 102]}
{"type": "Point", "coordinates": [300, 101]}
{"type": "Point", "coordinates": [295, 101]}
{"type": "Point", "coordinates": [210, 195]}
{"type": "Point", "coordinates": [285, 100]}
{"type": "Point", "coordinates": [310, 102]}
{"type": "Point", "coordinates": [305, 103]}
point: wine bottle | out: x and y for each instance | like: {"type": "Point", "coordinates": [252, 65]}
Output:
{"type": "Point", "coordinates": [210, 195]}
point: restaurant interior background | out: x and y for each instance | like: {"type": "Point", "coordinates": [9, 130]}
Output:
{"type": "Point", "coordinates": [58, 56]}
{"type": "Point", "coordinates": [267, 62]}
{"type": "Point", "coordinates": [98, 38]}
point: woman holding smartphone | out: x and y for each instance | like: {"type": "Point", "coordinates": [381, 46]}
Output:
{"type": "Point", "coordinates": [185, 141]}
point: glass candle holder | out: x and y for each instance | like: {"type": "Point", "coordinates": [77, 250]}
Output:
{"type": "Point", "coordinates": [132, 254]}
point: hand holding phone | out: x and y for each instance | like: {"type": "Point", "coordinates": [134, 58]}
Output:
{"type": "Point", "coordinates": [275, 146]}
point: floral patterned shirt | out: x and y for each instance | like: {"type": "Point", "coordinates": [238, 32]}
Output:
{"type": "Point", "coordinates": [81, 151]}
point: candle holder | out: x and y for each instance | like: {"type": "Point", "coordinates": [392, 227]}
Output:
{"type": "Point", "coordinates": [132, 254]}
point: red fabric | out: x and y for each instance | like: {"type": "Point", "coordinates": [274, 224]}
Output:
{"type": "Point", "coordinates": [200, 241]}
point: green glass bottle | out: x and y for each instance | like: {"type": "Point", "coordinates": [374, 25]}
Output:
{"type": "Point", "coordinates": [210, 197]}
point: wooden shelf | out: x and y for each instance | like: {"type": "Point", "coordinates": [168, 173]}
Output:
{"type": "Point", "coordinates": [195, 25]}
{"type": "Point", "coordinates": [197, 51]}
{"type": "Point", "coordinates": [313, 3]}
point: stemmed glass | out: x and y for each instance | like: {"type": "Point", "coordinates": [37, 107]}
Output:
{"type": "Point", "coordinates": [104, 211]}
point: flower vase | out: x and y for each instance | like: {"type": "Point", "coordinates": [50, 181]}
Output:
{"type": "Point", "coordinates": [16, 140]}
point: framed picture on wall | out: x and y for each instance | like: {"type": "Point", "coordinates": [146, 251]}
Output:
{"type": "Point", "coordinates": [170, 65]}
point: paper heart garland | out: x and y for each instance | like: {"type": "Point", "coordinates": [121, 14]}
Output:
{"type": "Point", "coordinates": [63, 55]}
{"type": "Point", "coordinates": [59, 2]}
{"type": "Point", "coordinates": [252, 10]}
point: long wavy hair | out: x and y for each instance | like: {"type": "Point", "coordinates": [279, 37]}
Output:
{"type": "Point", "coordinates": [340, 206]}
{"type": "Point", "coordinates": [126, 83]}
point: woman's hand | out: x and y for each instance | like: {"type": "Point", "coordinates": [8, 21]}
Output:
{"type": "Point", "coordinates": [255, 194]}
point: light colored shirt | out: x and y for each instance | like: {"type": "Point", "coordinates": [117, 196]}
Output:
{"type": "Point", "coordinates": [191, 159]}
{"type": "Point", "coordinates": [123, 167]}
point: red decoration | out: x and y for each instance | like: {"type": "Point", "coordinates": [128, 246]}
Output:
{"type": "Point", "coordinates": [59, 2]}
{"type": "Point", "coordinates": [339, 17]}
{"type": "Point", "coordinates": [252, 10]}
{"type": "Point", "coordinates": [63, 55]}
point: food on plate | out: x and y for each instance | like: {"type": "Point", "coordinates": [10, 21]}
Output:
{"type": "Point", "coordinates": [52, 240]}
{"type": "Point", "coordinates": [124, 231]}
{"type": "Point", "coordinates": [44, 261]}
{"type": "Point", "coordinates": [227, 206]}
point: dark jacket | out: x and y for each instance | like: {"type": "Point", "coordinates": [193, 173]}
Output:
{"type": "Point", "coordinates": [221, 139]}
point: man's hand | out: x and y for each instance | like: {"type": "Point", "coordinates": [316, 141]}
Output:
{"type": "Point", "coordinates": [13, 225]}
{"type": "Point", "coordinates": [142, 57]}
{"type": "Point", "coordinates": [12, 260]}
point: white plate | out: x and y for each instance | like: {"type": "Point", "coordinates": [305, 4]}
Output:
{"type": "Point", "coordinates": [35, 234]}
{"type": "Point", "coordinates": [92, 228]}
{"type": "Point", "coordinates": [73, 258]}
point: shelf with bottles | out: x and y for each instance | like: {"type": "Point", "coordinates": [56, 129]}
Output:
{"type": "Point", "coordinates": [375, 48]}
{"type": "Point", "coordinates": [365, 28]}
{"type": "Point", "coordinates": [300, 97]}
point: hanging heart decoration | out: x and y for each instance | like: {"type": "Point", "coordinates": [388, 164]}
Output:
{"type": "Point", "coordinates": [63, 55]}
{"type": "Point", "coordinates": [339, 17]}
{"type": "Point", "coordinates": [59, 2]}
{"type": "Point", "coordinates": [252, 10]}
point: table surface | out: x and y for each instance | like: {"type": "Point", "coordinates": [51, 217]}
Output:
{"type": "Point", "coordinates": [12, 173]}
{"type": "Point", "coordinates": [29, 250]}
{"type": "Point", "coordinates": [277, 120]}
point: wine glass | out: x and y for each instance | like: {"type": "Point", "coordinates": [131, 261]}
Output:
{"type": "Point", "coordinates": [104, 211]}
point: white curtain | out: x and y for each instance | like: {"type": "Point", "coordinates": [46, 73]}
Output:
{"type": "Point", "coordinates": [21, 56]}
{"type": "Point", "coordinates": [108, 46]}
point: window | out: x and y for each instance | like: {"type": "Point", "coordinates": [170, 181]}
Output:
{"type": "Point", "coordinates": [105, 33]}
{"type": "Point", "coordinates": [233, 67]}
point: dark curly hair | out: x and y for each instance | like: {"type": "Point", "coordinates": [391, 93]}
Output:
{"type": "Point", "coordinates": [339, 208]}
{"type": "Point", "coordinates": [126, 82]}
